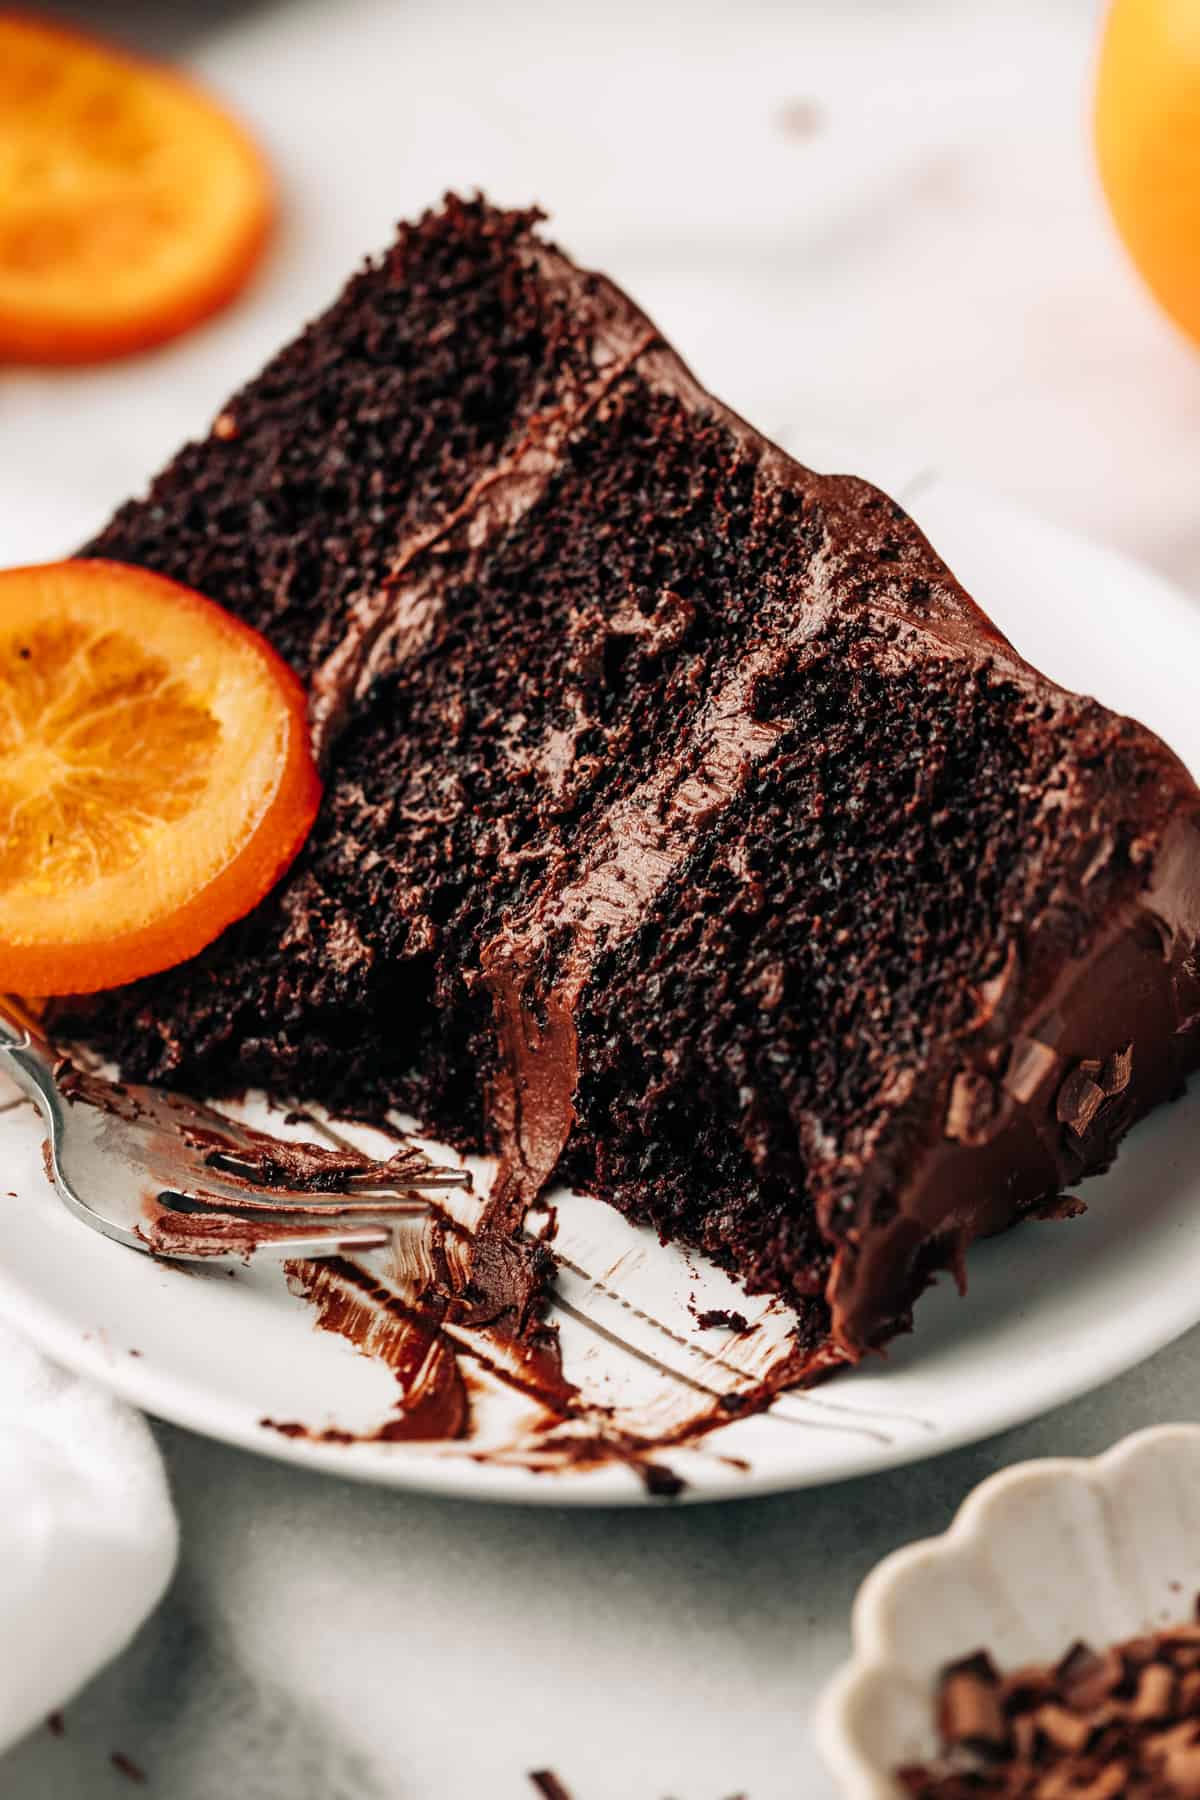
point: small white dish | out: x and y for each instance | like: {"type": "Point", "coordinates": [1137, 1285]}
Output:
{"type": "Point", "coordinates": [1039, 1556]}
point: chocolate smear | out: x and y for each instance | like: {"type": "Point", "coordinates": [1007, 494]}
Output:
{"type": "Point", "coordinates": [425, 1319]}
{"type": "Point", "coordinates": [354, 1305]}
{"type": "Point", "coordinates": [462, 1308]}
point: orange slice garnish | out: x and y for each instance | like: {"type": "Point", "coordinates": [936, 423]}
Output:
{"type": "Point", "coordinates": [155, 774]}
{"type": "Point", "coordinates": [131, 206]}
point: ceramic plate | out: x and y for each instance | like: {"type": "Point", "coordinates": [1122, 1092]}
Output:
{"type": "Point", "coordinates": [1054, 1309]}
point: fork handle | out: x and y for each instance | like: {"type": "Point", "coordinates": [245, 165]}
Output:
{"type": "Point", "coordinates": [26, 1052]}
{"type": "Point", "coordinates": [19, 1025]}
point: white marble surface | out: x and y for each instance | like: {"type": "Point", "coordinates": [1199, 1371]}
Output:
{"type": "Point", "coordinates": [873, 228]}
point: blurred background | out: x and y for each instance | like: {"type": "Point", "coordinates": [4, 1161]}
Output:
{"type": "Point", "coordinates": [873, 226]}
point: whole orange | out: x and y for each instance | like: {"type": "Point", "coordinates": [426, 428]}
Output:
{"type": "Point", "coordinates": [1148, 143]}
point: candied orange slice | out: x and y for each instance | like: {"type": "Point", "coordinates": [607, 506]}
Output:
{"type": "Point", "coordinates": [155, 774]}
{"type": "Point", "coordinates": [131, 206]}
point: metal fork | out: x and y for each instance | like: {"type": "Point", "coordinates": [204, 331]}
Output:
{"type": "Point", "coordinates": [168, 1176]}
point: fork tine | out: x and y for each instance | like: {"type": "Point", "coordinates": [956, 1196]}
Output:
{"type": "Point", "coordinates": [122, 1158]}
{"type": "Point", "coordinates": [367, 1182]}
{"type": "Point", "coordinates": [435, 1179]}
{"type": "Point", "coordinates": [284, 1202]}
{"type": "Point", "coordinates": [271, 1237]}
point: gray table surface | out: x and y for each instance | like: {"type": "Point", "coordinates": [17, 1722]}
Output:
{"type": "Point", "coordinates": [873, 228]}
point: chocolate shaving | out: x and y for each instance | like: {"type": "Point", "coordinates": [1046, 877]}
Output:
{"type": "Point", "coordinates": [1118, 1072]}
{"type": "Point", "coordinates": [1028, 1065]}
{"type": "Point", "coordinates": [1088, 1088]}
{"type": "Point", "coordinates": [1080, 1098]}
{"type": "Point", "coordinates": [1118, 1724]}
{"type": "Point", "coordinates": [969, 1710]}
{"type": "Point", "coordinates": [548, 1785]}
{"type": "Point", "coordinates": [1087, 1680]}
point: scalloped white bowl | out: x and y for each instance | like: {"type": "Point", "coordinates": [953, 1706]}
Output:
{"type": "Point", "coordinates": [1038, 1556]}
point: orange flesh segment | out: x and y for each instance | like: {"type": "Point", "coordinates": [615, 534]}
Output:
{"type": "Point", "coordinates": [155, 775]}
{"type": "Point", "coordinates": [130, 205]}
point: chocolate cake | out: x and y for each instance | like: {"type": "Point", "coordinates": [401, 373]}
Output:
{"type": "Point", "coordinates": [688, 833]}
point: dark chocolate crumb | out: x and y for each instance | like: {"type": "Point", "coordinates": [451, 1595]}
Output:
{"type": "Point", "coordinates": [548, 1785]}
{"type": "Point", "coordinates": [289, 1428]}
{"type": "Point", "coordinates": [56, 1724]}
{"type": "Point", "coordinates": [718, 1316]}
{"type": "Point", "coordinates": [660, 1481]}
{"type": "Point", "coordinates": [127, 1766]}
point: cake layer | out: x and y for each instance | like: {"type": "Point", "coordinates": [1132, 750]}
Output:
{"type": "Point", "coordinates": [688, 830]}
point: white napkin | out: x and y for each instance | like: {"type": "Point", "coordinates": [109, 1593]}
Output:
{"type": "Point", "coordinates": [87, 1532]}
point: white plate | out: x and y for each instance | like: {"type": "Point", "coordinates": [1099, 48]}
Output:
{"type": "Point", "coordinates": [1054, 1309]}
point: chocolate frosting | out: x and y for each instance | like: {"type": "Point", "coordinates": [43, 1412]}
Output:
{"type": "Point", "coordinates": [1053, 1079]}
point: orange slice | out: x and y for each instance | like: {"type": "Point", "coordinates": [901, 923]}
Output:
{"type": "Point", "coordinates": [155, 774]}
{"type": "Point", "coordinates": [131, 206]}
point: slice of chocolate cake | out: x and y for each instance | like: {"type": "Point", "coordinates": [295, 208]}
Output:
{"type": "Point", "coordinates": [688, 831]}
